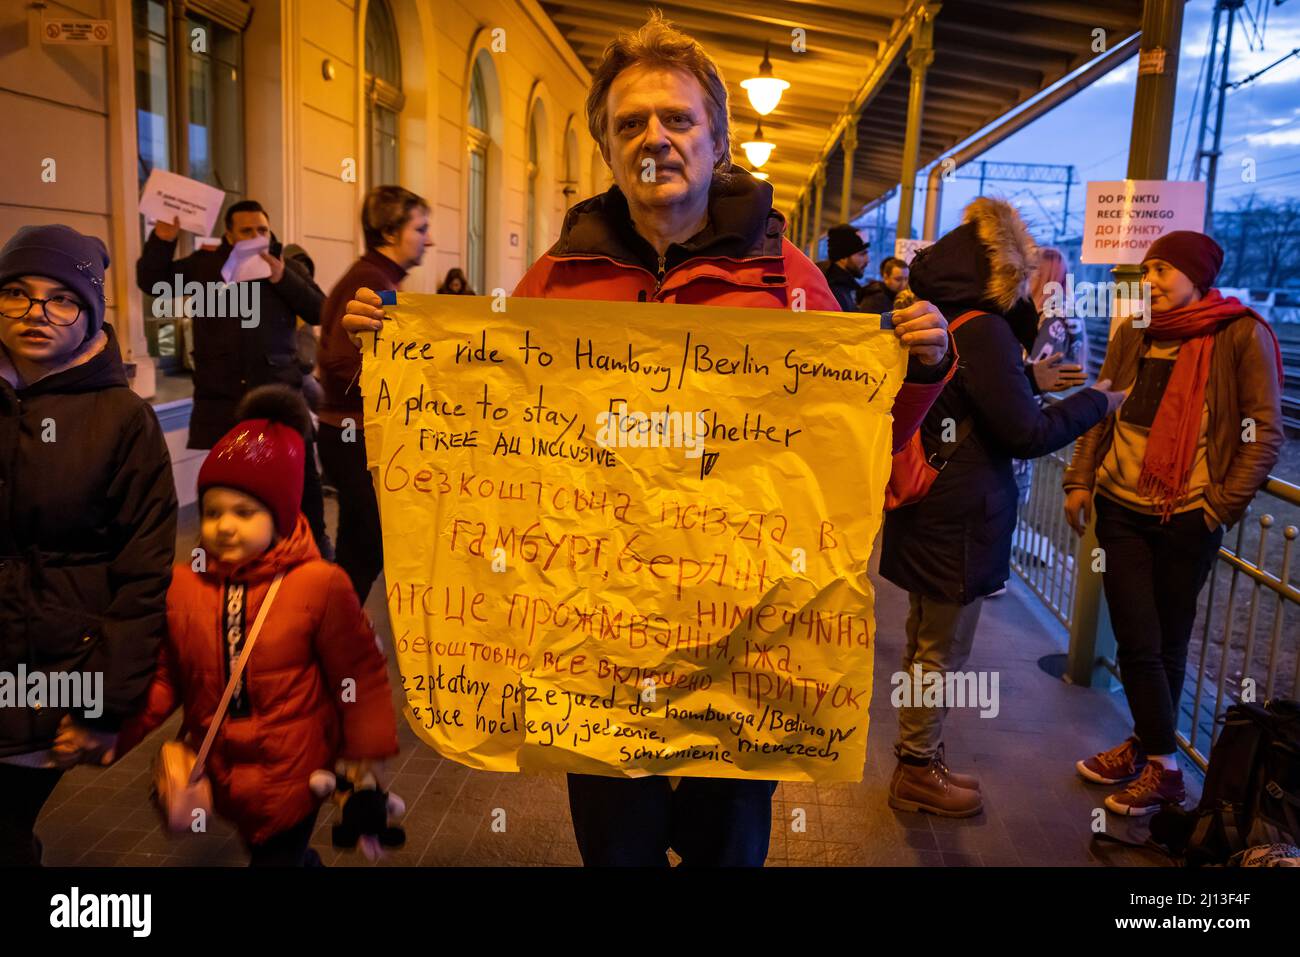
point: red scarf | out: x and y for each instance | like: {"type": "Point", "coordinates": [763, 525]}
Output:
{"type": "Point", "coordinates": [1171, 444]}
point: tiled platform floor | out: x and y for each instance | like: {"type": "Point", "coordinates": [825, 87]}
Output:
{"type": "Point", "coordinates": [1037, 811]}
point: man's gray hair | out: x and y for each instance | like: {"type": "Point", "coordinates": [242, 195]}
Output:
{"type": "Point", "coordinates": [659, 44]}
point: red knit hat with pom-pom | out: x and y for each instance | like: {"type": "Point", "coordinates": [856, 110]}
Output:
{"type": "Point", "coordinates": [263, 456]}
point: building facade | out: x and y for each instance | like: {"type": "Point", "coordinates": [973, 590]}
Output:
{"type": "Point", "coordinates": [303, 105]}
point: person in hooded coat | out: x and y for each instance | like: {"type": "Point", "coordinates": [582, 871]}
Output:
{"type": "Point", "coordinates": [87, 521]}
{"type": "Point", "coordinates": [953, 547]}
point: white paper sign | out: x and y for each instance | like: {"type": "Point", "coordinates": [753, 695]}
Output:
{"type": "Point", "coordinates": [244, 263]}
{"type": "Point", "coordinates": [1126, 216]}
{"type": "Point", "coordinates": [168, 195]}
{"type": "Point", "coordinates": [905, 249]}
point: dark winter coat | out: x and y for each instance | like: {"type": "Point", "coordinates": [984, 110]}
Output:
{"type": "Point", "coordinates": [955, 544]}
{"type": "Point", "coordinates": [877, 297]}
{"type": "Point", "coordinates": [87, 539]}
{"type": "Point", "coordinates": [844, 286]}
{"type": "Point", "coordinates": [231, 358]}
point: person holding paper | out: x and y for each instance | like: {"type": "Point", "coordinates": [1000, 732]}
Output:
{"type": "Point", "coordinates": [395, 224]}
{"type": "Point", "coordinates": [701, 231]}
{"type": "Point", "coordinates": [244, 334]}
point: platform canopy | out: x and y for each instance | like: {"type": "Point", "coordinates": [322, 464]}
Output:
{"type": "Point", "coordinates": [990, 56]}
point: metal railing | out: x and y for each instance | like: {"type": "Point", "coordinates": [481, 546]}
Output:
{"type": "Point", "coordinates": [1242, 668]}
{"type": "Point", "coordinates": [1044, 547]}
{"type": "Point", "coordinates": [1241, 647]}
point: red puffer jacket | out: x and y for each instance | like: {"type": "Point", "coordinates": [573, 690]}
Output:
{"type": "Point", "coordinates": [741, 258]}
{"type": "Point", "coordinates": [302, 716]}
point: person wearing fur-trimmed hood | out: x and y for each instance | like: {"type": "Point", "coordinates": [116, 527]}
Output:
{"type": "Point", "coordinates": [953, 547]}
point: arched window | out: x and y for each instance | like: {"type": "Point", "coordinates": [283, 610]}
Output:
{"type": "Point", "coordinates": [534, 174]}
{"type": "Point", "coordinates": [478, 138]}
{"type": "Point", "coordinates": [569, 186]}
{"type": "Point", "coordinates": [384, 99]}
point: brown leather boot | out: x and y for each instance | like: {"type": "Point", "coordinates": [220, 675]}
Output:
{"type": "Point", "coordinates": [924, 787]}
{"type": "Point", "coordinates": [956, 777]}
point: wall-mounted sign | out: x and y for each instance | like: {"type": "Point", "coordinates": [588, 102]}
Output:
{"type": "Point", "coordinates": [905, 249]}
{"type": "Point", "coordinates": [1122, 218]}
{"type": "Point", "coordinates": [89, 32]}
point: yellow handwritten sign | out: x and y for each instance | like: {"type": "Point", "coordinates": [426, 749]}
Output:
{"type": "Point", "coordinates": [629, 538]}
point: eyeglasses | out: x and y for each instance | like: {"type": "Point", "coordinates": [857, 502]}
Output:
{"type": "Point", "coordinates": [59, 310]}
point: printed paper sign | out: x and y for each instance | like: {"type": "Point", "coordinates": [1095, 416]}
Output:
{"type": "Point", "coordinates": [1124, 217]}
{"type": "Point", "coordinates": [167, 195]}
{"type": "Point", "coordinates": [91, 32]}
{"type": "Point", "coordinates": [632, 538]}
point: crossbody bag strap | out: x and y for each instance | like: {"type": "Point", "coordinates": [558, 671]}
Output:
{"type": "Point", "coordinates": [235, 675]}
{"type": "Point", "coordinates": [939, 458]}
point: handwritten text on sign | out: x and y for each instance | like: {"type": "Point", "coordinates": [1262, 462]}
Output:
{"type": "Point", "coordinates": [627, 538]}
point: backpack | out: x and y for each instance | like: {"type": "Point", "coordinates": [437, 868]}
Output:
{"type": "Point", "coordinates": [913, 471]}
{"type": "Point", "coordinates": [1252, 789]}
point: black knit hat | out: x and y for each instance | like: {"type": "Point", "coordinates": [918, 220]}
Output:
{"type": "Point", "coordinates": [63, 254]}
{"type": "Point", "coordinates": [843, 241]}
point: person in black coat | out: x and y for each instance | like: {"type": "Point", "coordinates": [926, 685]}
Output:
{"type": "Point", "coordinates": [233, 352]}
{"type": "Point", "coordinates": [87, 524]}
{"type": "Point", "coordinates": [879, 294]}
{"type": "Point", "coordinates": [953, 547]}
{"type": "Point", "coordinates": [847, 259]}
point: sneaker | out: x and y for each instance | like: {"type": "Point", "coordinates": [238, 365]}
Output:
{"type": "Point", "coordinates": [1155, 787]}
{"type": "Point", "coordinates": [1119, 765]}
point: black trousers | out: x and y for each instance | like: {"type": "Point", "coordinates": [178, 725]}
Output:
{"type": "Point", "coordinates": [23, 792]}
{"type": "Point", "coordinates": [1154, 572]}
{"type": "Point", "coordinates": [289, 848]}
{"type": "Point", "coordinates": [359, 547]}
{"type": "Point", "coordinates": [709, 822]}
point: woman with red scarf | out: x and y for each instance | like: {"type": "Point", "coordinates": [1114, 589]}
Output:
{"type": "Point", "coordinates": [1179, 462]}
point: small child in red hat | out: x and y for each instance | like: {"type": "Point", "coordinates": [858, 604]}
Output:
{"type": "Point", "coordinates": [314, 690]}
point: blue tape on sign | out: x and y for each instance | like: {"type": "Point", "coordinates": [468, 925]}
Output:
{"type": "Point", "coordinates": [886, 320]}
{"type": "Point", "coordinates": [388, 297]}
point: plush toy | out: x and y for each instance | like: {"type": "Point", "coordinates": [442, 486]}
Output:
{"type": "Point", "coordinates": [365, 812]}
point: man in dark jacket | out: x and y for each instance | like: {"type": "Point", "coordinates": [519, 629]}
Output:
{"type": "Point", "coordinates": [879, 294]}
{"type": "Point", "coordinates": [236, 350]}
{"type": "Point", "coordinates": [87, 521]}
{"type": "Point", "coordinates": [847, 259]}
{"type": "Point", "coordinates": [953, 547]}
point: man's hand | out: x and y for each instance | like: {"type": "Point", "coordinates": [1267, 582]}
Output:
{"type": "Point", "coordinates": [276, 264]}
{"type": "Point", "coordinates": [167, 232]}
{"type": "Point", "coordinates": [77, 744]}
{"type": "Point", "coordinates": [365, 313]}
{"type": "Point", "coordinates": [1114, 398]}
{"type": "Point", "coordinates": [1052, 375]}
{"type": "Point", "coordinates": [1078, 509]}
{"type": "Point", "coordinates": [922, 328]}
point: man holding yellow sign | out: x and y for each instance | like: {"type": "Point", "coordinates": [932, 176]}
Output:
{"type": "Point", "coordinates": [630, 543]}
